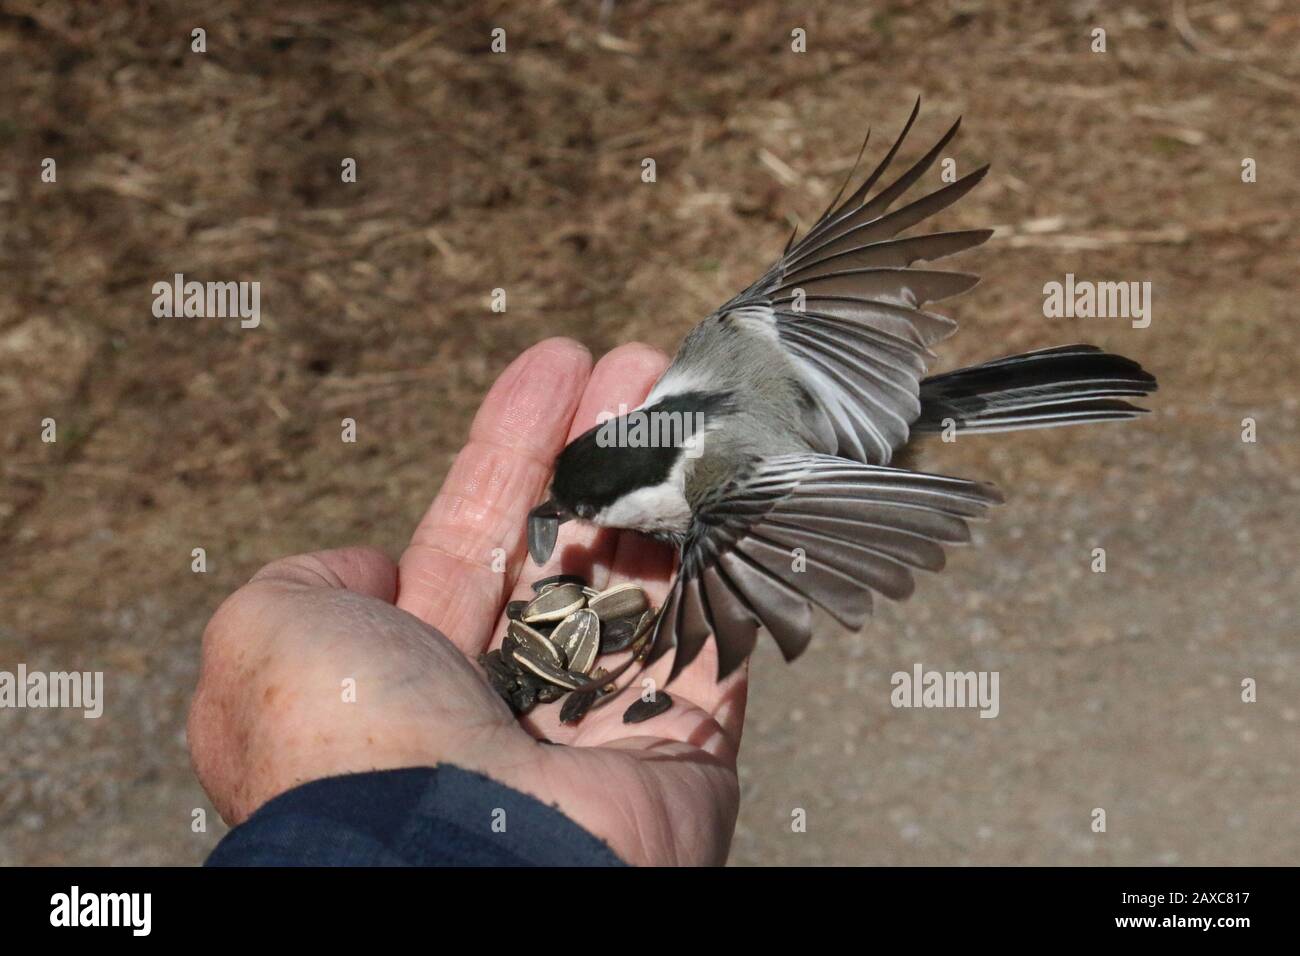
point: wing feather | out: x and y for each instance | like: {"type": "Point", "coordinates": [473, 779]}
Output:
{"type": "Point", "coordinates": [803, 530]}
{"type": "Point", "coordinates": [846, 302]}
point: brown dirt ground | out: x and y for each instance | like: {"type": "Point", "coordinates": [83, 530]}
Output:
{"type": "Point", "coordinates": [521, 171]}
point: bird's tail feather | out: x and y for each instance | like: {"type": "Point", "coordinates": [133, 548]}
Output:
{"type": "Point", "coordinates": [1071, 385]}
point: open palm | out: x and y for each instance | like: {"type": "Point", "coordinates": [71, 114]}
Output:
{"type": "Point", "coordinates": [269, 715]}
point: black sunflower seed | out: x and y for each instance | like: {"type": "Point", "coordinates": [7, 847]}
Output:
{"type": "Point", "coordinates": [549, 693]}
{"type": "Point", "coordinates": [508, 645]}
{"type": "Point", "coordinates": [617, 635]}
{"type": "Point", "coordinates": [576, 707]}
{"type": "Point", "coordinates": [501, 676]}
{"type": "Point", "coordinates": [643, 709]}
{"type": "Point", "coordinates": [514, 609]}
{"type": "Point", "coordinates": [522, 698]}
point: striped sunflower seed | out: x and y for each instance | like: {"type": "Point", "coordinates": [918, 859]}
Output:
{"type": "Point", "coordinates": [555, 604]}
{"type": "Point", "coordinates": [544, 667]}
{"type": "Point", "coordinates": [622, 600]}
{"type": "Point", "coordinates": [567, 634]}
{"type": "Point", "coordinates": [533, 642]}
{"type": "Point", "coordinates": [581, 641]}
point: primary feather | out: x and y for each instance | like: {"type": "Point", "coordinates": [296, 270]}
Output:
{"type": "Point", "coordinates": [809, 381]}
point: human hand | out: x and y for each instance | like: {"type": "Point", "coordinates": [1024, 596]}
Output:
{"type": "Point", "coordinates": [270, 710]}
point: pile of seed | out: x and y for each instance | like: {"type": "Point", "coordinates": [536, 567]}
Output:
{"type": "Point", "coordinates": [553, 641]}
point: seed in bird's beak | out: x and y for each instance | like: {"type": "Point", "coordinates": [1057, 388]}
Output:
{"type": "Point", "coordinates": [622, 600]}
{"type": "Point", "coordinates": [543, 529]}
{"type": "Point", "coordinates": [554, 604]}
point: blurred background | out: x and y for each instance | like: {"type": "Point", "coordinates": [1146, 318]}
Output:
{"type": "Point", "coordinates": [522, 171]}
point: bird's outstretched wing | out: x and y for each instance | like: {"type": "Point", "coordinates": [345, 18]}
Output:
{"type": "Point", "coordinates": [798, 530]}
{"type": "Point", "coordinates": [846, 303]}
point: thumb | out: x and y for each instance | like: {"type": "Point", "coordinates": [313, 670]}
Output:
{"type": "Point", "coordinates": [362, 569]}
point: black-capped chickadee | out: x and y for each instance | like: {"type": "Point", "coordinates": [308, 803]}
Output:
{"type": "Point", "coordinates": [783, 409]}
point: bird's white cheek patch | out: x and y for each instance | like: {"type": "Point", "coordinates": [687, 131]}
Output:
{"type": "Point", "coordinates": [677, 382]}
{"type": "Point", "coordinates": [660, 508]}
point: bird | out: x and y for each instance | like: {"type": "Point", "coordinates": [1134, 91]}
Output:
{"type": "Point", "coordinates": [806, 386]}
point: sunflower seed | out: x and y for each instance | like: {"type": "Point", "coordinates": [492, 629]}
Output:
{"type": "Point", "coordinates": [542, 584]}
{"type": "Point", "coordinates": [493, 663]}
{"type": "Point", "coordinates": [617, 635]}
{"type": "Point", "coordinates": [534, 684]}
{"type": "Point", "coordinates": [522, 698]}
{"type": "Point", "coordinates": [622, 600]}
{"type": "Point", "coordinates": [622, 633]}
{"type": "Point", "coordinates": [567, 633]}
{"type": "Point", "coordinates": [555, 604]}
{"type": "Point", "coordinates": [583, 641]}
{"type": "Point", "coordinates": [576, 707]}
{"type": "Point", "coordinates": [530, 640]}
{"type": "Point", "coordinates": [515, 609]}
{"type": "Point", "coordinates": [643, 709]}
{"type": "Point", "coordinates": [508, 645]}
{"type": "Point", "coordinates": [646, 621]}
{"type": "Point", "coordinates": [500, 675]}
{"type": "Point", "coordinates": [543, 530]}
{"type": "Point", "coordinates": [549, 693]}
{"type": "Point", "coordinates": [545, 668]}
{"type": "Point", "coordinates": [645, 632]}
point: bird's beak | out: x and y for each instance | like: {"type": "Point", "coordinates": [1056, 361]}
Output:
{"type": "Point", "coordinates": [543, 527]}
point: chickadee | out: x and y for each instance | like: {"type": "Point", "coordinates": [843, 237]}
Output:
{"type": "Point", "coordinates": [806, 385]}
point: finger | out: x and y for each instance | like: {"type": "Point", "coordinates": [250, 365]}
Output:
{"type": "Point", "coordinates": [365, 570]}
{"type": "Point", "coordinates": [450, 575]}
{"type": "Point", "coordinates": [623, 377]}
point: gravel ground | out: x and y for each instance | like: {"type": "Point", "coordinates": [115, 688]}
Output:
{"type": "Point", "coordinates": [1120, 691]}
